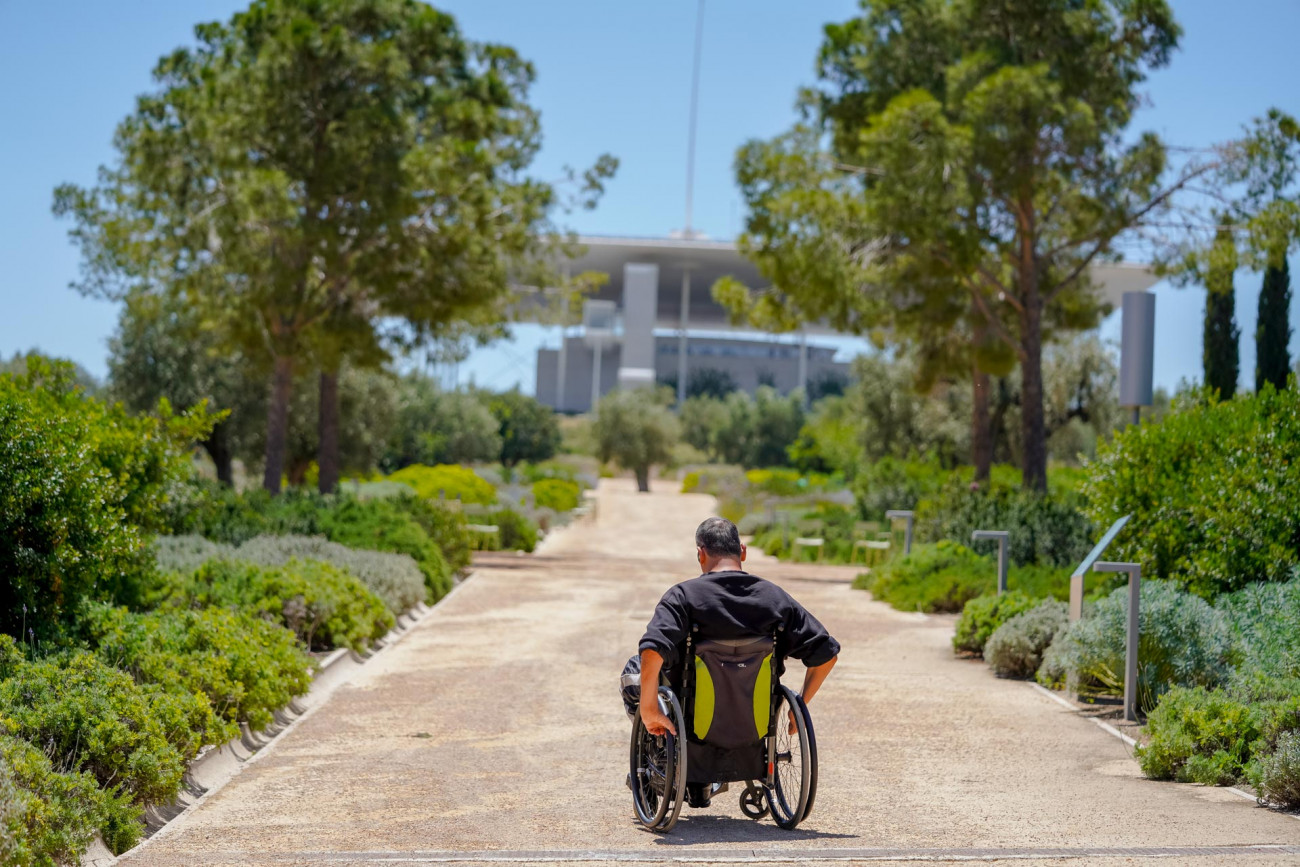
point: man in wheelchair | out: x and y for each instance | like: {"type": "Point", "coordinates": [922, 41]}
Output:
{"type": "Point", "coordinates": [718, 642]}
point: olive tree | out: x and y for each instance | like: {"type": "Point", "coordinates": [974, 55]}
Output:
{"type": "Point", "coordinates": [636, 430]}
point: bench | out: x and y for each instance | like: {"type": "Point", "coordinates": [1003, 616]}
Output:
{"type": "Point", "coordinates": [808, 542]}
{"type": "Point", "coordinates": [490, 533]}
{"type": "Point", "coordinates": [866, 546]}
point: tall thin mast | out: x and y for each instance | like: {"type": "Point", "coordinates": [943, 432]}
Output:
{"type": "Point", "coordinates": [695, 101]}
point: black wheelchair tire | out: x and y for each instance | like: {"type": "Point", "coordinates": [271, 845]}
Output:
{"type": "Point", "coordinates": [654, 811]}
{"type": "Point", "coordinates": [788, 806]}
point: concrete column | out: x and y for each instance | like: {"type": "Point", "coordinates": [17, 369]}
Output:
{"type": "Point", "coordinates": [640, 308]}
{"type": "Point", "coordinates": [598, 350]}
{"type": "Point", "coordinates": [681, 336]}
{"type": "Point", "coordinates": [562, 370]}
{"type": "Point", "coordinates": [803, 364]}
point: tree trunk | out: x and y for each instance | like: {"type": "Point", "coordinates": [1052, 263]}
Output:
{"type": "Point", "coordinates": [277, 422]}
{"type": "Point", "coordinates": [981, 432]}
{"type": "Point", "coordinates": [1033, 432]}
{"type": "Point", "coordinates": [643, 479]}
{"type": "Point", "coordinates": [327, 456]}
{"type": "Point", "coordinates": [218, 448]}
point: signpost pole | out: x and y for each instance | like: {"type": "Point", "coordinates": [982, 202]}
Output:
{"type": "Point", "coordinates": [908, 517]}
{"type": "Point", "coordinates": [1002, 537]}
{"type": "Point", "coordinates": [1131, 645]}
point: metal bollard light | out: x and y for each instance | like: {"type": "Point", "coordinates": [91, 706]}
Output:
{"type": "Point", "coordinates": [1003, 537]}
{"type": "Point", "coordinates": [909, 517]}
{"type": "Point", "coordinates": [1131, 649]}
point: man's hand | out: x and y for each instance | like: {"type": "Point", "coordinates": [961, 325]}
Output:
{"type": "Point", "coordinates": [654, 719]}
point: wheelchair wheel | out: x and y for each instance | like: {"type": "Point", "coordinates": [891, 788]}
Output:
{"type": "Point", "coordinates": [794, 777]}
{"type": "Point", "coordinates": [658, 776]}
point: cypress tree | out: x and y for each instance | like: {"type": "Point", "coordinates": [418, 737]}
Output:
{"type": "Point", "coordinates": [1273, 331]}
{"type": "Point", "coordinates": [1220, 359]}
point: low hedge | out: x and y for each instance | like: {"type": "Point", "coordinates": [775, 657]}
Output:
{"type": "Point", "coordinates": [246, 666]}
{"type": "Point", "coordinates": [50, 818]}
{"type": "Point", "coordinates": [323, 605]}
{"type": "Point", "coordinates": [934, 578]}
{"type": "Point", "coordinates": [394, 578]}
{"type": "Point", "coordinates": [1016, 648]}
{"type": "Point", "coordinates": [446, 481]}
{"type": "Point", "coordinates": [984, 614]}
{"type": "Point", "coordinates": [95, 719]}
{"type": "Point", "coordinates": [558, 494]}
{"type": "Point", "coordinates": [1182, 642]}
{"type": "Point", "coordinates": [384, 525]}
{"type": "Point", "coordinates": [1276, 775]}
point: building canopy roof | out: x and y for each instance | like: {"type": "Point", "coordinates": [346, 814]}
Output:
{"type": "Point", "coordinates": [707, 261]}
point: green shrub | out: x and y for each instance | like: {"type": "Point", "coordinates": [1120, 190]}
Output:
{"type": "Point", "coordinates": [78, 481]}
{"type": "Point", "coordinates": [93, 718]}
{"type": "Point", "coordinates": [1265, 620]}
{"type": "Point", "coordinates": [387, 525]}
{"type": "Point", "coordinates": [51, 817]}
{"type": "Point", "coordinates": [245, 666]}
{"type": "Point", "coordinates": [394, 578]}
{"type": "Point", "coordinates": [1050, 530]}
{"type": "Point", "coordinates": [557, 494]}
{"type": "Point", "coordinates": [1198, 735]}
{"type": "Point", "coordinates": [529, 430]}
{"type": "Point", "coordinates": [323, 605]}
{"type": "Point", "coordinates": [890, 483]}
{"type": "Point", "coordinates": [1213, 490]}
{"type": "Point", "coordinates": [1015, 649]}
{"type": "Point", "coordinates": [179, 555]}
{"type": "Point", "coordinates": [1182, 642]}
{"type": "Point", "coordinates": [984, 614]}
{"type": "Point", "coordinates": [933, 578]}
{"type": "Point", "coordinates": [445, 526]}
{"type": "Point", "coordinates": [1276, 775]}
{"type": "Point", "coordinates": [446, 481]}
{"type": "Point", "coordinates": [517, 532]}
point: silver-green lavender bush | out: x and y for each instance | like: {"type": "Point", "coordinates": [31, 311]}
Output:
{"type": "Point", "coordinates": [1015, 649]}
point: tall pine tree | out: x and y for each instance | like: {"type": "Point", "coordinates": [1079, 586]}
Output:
{"type": "Point", "coordinates": [1273, 331]}
{"type": "Point", "coordinates": [1222, 366]}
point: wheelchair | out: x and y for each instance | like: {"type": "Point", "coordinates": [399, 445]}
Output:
{"type": "Point", "coordinates": [732, 717]}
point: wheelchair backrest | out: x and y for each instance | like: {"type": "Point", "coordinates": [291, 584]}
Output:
{"type": "Point", "coordinates": [732, 692]}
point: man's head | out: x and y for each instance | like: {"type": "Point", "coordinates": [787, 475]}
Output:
{"type": "Point", "coordinates": [718, 540]}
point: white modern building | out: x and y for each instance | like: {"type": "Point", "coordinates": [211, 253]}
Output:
{"type": "Point", "coordinates": [656, 320]}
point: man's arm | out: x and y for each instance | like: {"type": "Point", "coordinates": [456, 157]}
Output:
{"type": "Point", "coordinates": [655, 721]}
{"type": "Point", "coordinates": [815, 676]}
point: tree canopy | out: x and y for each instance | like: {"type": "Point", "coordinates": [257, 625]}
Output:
{"type": "Point", "coordinates": [315, 172]}
{"type": "Point", "coordinates": [964, 164]}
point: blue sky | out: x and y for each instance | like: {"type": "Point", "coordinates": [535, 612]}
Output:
{"type": "Point", "coordinates": [612, 77]}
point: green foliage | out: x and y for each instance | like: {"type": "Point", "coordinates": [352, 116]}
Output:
{"type": "Point", "coordinates": [441, 427]}
{"type": "Point", "coordinates": [79, 482]}
{"type": "Point", "coordinates": [1220, 353]}
{"type": "Point", "coordinates": [1277, 777]}
{"type": "Point", "coordinates": [517, 532]}
{"type": "Point", "coordinates": [446, 481]}
{"type": "Point", "coordinates": [1016, 648]}
{"type": "Point", "coordinates": [1198, 735]}
{"type": "Point", "coordinates": [245, 666]}
{"type": "Point", "coordinates": [389, 525]}
{"type": "Point", "coordinates": [445, 526]}
{"type": "Point", "coordinates": [93, 718]}
{"type": "Point", "coordinates": [325, 607]}
{"type": "Point", "coordinates": [982, 615]}
{"type": "Point", "coordinates": [51, 817]}
{"type": "Point", "coordinates": [528, 429]}
{"type": "Point", "coordinates": [636, 430]}
{"type": "Point", "coordinates": [1273, 329]}
{"type": "Point", "coordinates": [394, 578]}
{"type": "Point", "coordinates": [558, 494]}
{"type": "Point", "coordinates": [1214, 491]}
{"type": "Point", "coordinates": [890, 483]}
{"type": "Point", "coordinates": [1265, 620]}
{"type": "Point", "coordinates": [934, 578]}
{"type": "Point", "coordinates": [360, 110]}
{"type": "Point", "coordinates": [1047, 529]}
{"type": "Point", "coordinates": [829, 441]}
{"type": "Point", "coordinates": [1182, 642]}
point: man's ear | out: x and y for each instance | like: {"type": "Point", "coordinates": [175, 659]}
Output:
{"type": "Point", "coordinates": [744, 549]}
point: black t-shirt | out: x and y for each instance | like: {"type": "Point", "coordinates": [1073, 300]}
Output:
{"type": "Point", "coordinates": [727, 605]}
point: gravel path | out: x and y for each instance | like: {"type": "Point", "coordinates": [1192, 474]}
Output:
{"type": "Point", "coordinates": [493, 731]}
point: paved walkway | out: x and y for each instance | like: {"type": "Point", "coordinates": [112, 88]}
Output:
{"type": "Point", "coordinates": [494, 732]}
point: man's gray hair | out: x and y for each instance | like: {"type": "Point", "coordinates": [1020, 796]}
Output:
{"type": "Point", "coordinates": [718, 537]}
